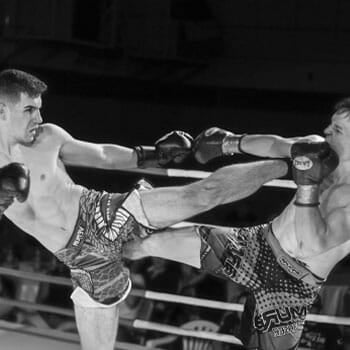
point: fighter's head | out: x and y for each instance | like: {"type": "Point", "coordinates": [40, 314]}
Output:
{"type": "Point", "coordinates": [14, 82]}
{"type": "Point", "coordinates": [338, 131]}
{"type": "Point", "coordinates": [20, 103]}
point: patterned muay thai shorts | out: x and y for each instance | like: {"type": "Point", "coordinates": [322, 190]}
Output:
{"type": "Point", "coordinates": [283, 290]}
{"type": "Point", "coordinates": [94, 253]}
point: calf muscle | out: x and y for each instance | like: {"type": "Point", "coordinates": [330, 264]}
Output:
{"type": "Point", "coordinates": [169, 205]}
{"type": "Point", "coordinates": [238, 181]}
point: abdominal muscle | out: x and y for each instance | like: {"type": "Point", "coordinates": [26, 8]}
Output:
{"type": "Point", "coordinates": [320, 263]}
{"type": "Point", "coordinates": [49, 214]}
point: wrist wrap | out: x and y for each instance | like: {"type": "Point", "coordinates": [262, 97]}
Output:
{"type": "Point", "coordinates": [146, 156]}
{"type": "Point", "coordinates": [231, 144]}
{"type": "Point", "coordinates": [307, 196]}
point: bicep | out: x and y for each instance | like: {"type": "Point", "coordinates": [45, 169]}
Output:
{"type": "Point", "coordinates": [76, 152]}
{"type": "Point", "coordinates": [106, 156]}
{"type": "Point", "coordinates": [80, 153]}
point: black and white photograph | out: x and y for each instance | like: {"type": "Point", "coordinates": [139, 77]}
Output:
{"type": "Point", "coordinates": [174, 175]}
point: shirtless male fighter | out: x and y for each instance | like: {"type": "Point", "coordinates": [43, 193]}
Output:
{"type": "Point", "coordinates": [86, 229]}
{"type": "Point", "coordinates": [284, 262]}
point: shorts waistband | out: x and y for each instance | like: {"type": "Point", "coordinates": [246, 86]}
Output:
{"type": "Point", "coordinates": [289, 264]}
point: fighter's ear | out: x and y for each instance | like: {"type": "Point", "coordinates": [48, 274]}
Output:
{"type": "Point", "coordinates": [3, 111]}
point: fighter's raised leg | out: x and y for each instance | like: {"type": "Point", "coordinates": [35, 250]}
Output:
{"type": "Point", "coordinates": [168, 205]}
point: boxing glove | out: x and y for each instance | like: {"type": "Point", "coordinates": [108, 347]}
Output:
{"type": "Point", "coordinates": [172, 147]}
{"type": "Point", "coordinates": [14, 183]}
{"type": "Point", "coordinates": [311, 163]}
{"type": "Point", "coordinates": [215, 142]}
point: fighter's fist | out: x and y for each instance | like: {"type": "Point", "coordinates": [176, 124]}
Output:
{"type": "Point", "coordinates": [14, 183]}
{"type": "Point", "coordinates": [312, 162]}
{"type": "Point", "coordinates": [213, 143]}
{"type": "Point", "coordinates": [172, 147]}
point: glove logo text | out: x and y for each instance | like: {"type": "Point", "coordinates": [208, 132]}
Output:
{"type": "Point", "coordinates": [302, 163]}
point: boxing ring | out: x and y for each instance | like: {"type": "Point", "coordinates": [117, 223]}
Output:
{"type": "Point", "coordinates": [14, 336]}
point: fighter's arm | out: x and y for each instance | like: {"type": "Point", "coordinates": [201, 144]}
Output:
{"type": "Point", "coordinates": [215, 142]}
{"type": "Point", "coordinates": [174, 146]}
{"type": "Point", "coordinates": [273, 146]}
{"type": "Point", "coordinates": [81, 153]}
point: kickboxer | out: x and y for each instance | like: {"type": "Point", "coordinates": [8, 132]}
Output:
{"type": "Point", "coordinates": [283, 262]}
{"type": "Point", "coordinates": [88, 229]}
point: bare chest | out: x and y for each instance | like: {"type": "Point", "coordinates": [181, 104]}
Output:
{"type": "Point", "coordinates": [53, 199]}
{"type": "Point", "coordinates": [43, 163]}
{"type": "Point", "coordinates": [333, 197]}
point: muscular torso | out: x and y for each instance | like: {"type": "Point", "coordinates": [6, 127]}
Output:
{"type": "Point", "coordinates": [50, 212]}
{"type": "Point", "coordinates": [319, 259]}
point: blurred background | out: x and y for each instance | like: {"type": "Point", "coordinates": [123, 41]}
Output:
{"type": "Point", "coordinates": [128, 71]}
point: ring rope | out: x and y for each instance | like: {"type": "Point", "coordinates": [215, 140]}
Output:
{"type": "Point", "coordinates": [37, 307]}
{"type": "Point", "coordinates": [63, 336]}
{"type": "Point", "coordinates": [35, 276]}
{"type": "Point", "coordinates": [198, 174]}
{"type": "Point", "coordinates": [152, 326]}
{"type": "Point", "coordinates": [181, 299]}
{"type": "Point", "coordinates": [171, 298]}
{"type": "Point", "coordinates": [140, 324]}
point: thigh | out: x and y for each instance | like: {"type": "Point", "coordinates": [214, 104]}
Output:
{"type": "Point", "coordinates": [166, 206]}
{"type": "Point", "coordinates": [180, 244]}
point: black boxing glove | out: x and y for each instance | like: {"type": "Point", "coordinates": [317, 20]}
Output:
{"type": "Point", "coordinates": [14, 183]}
{"type": "Point", "coordinates": [215, 142]}
{"type": "Point", "coordinates": [172, 147]}
{"type": "Point", "coordinates": [312, 162]}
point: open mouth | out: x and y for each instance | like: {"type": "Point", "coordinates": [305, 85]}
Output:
{"type": "Point", "coordinates": [33, 132]}
{"type": "Point", "coordinates": [34, 129]}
